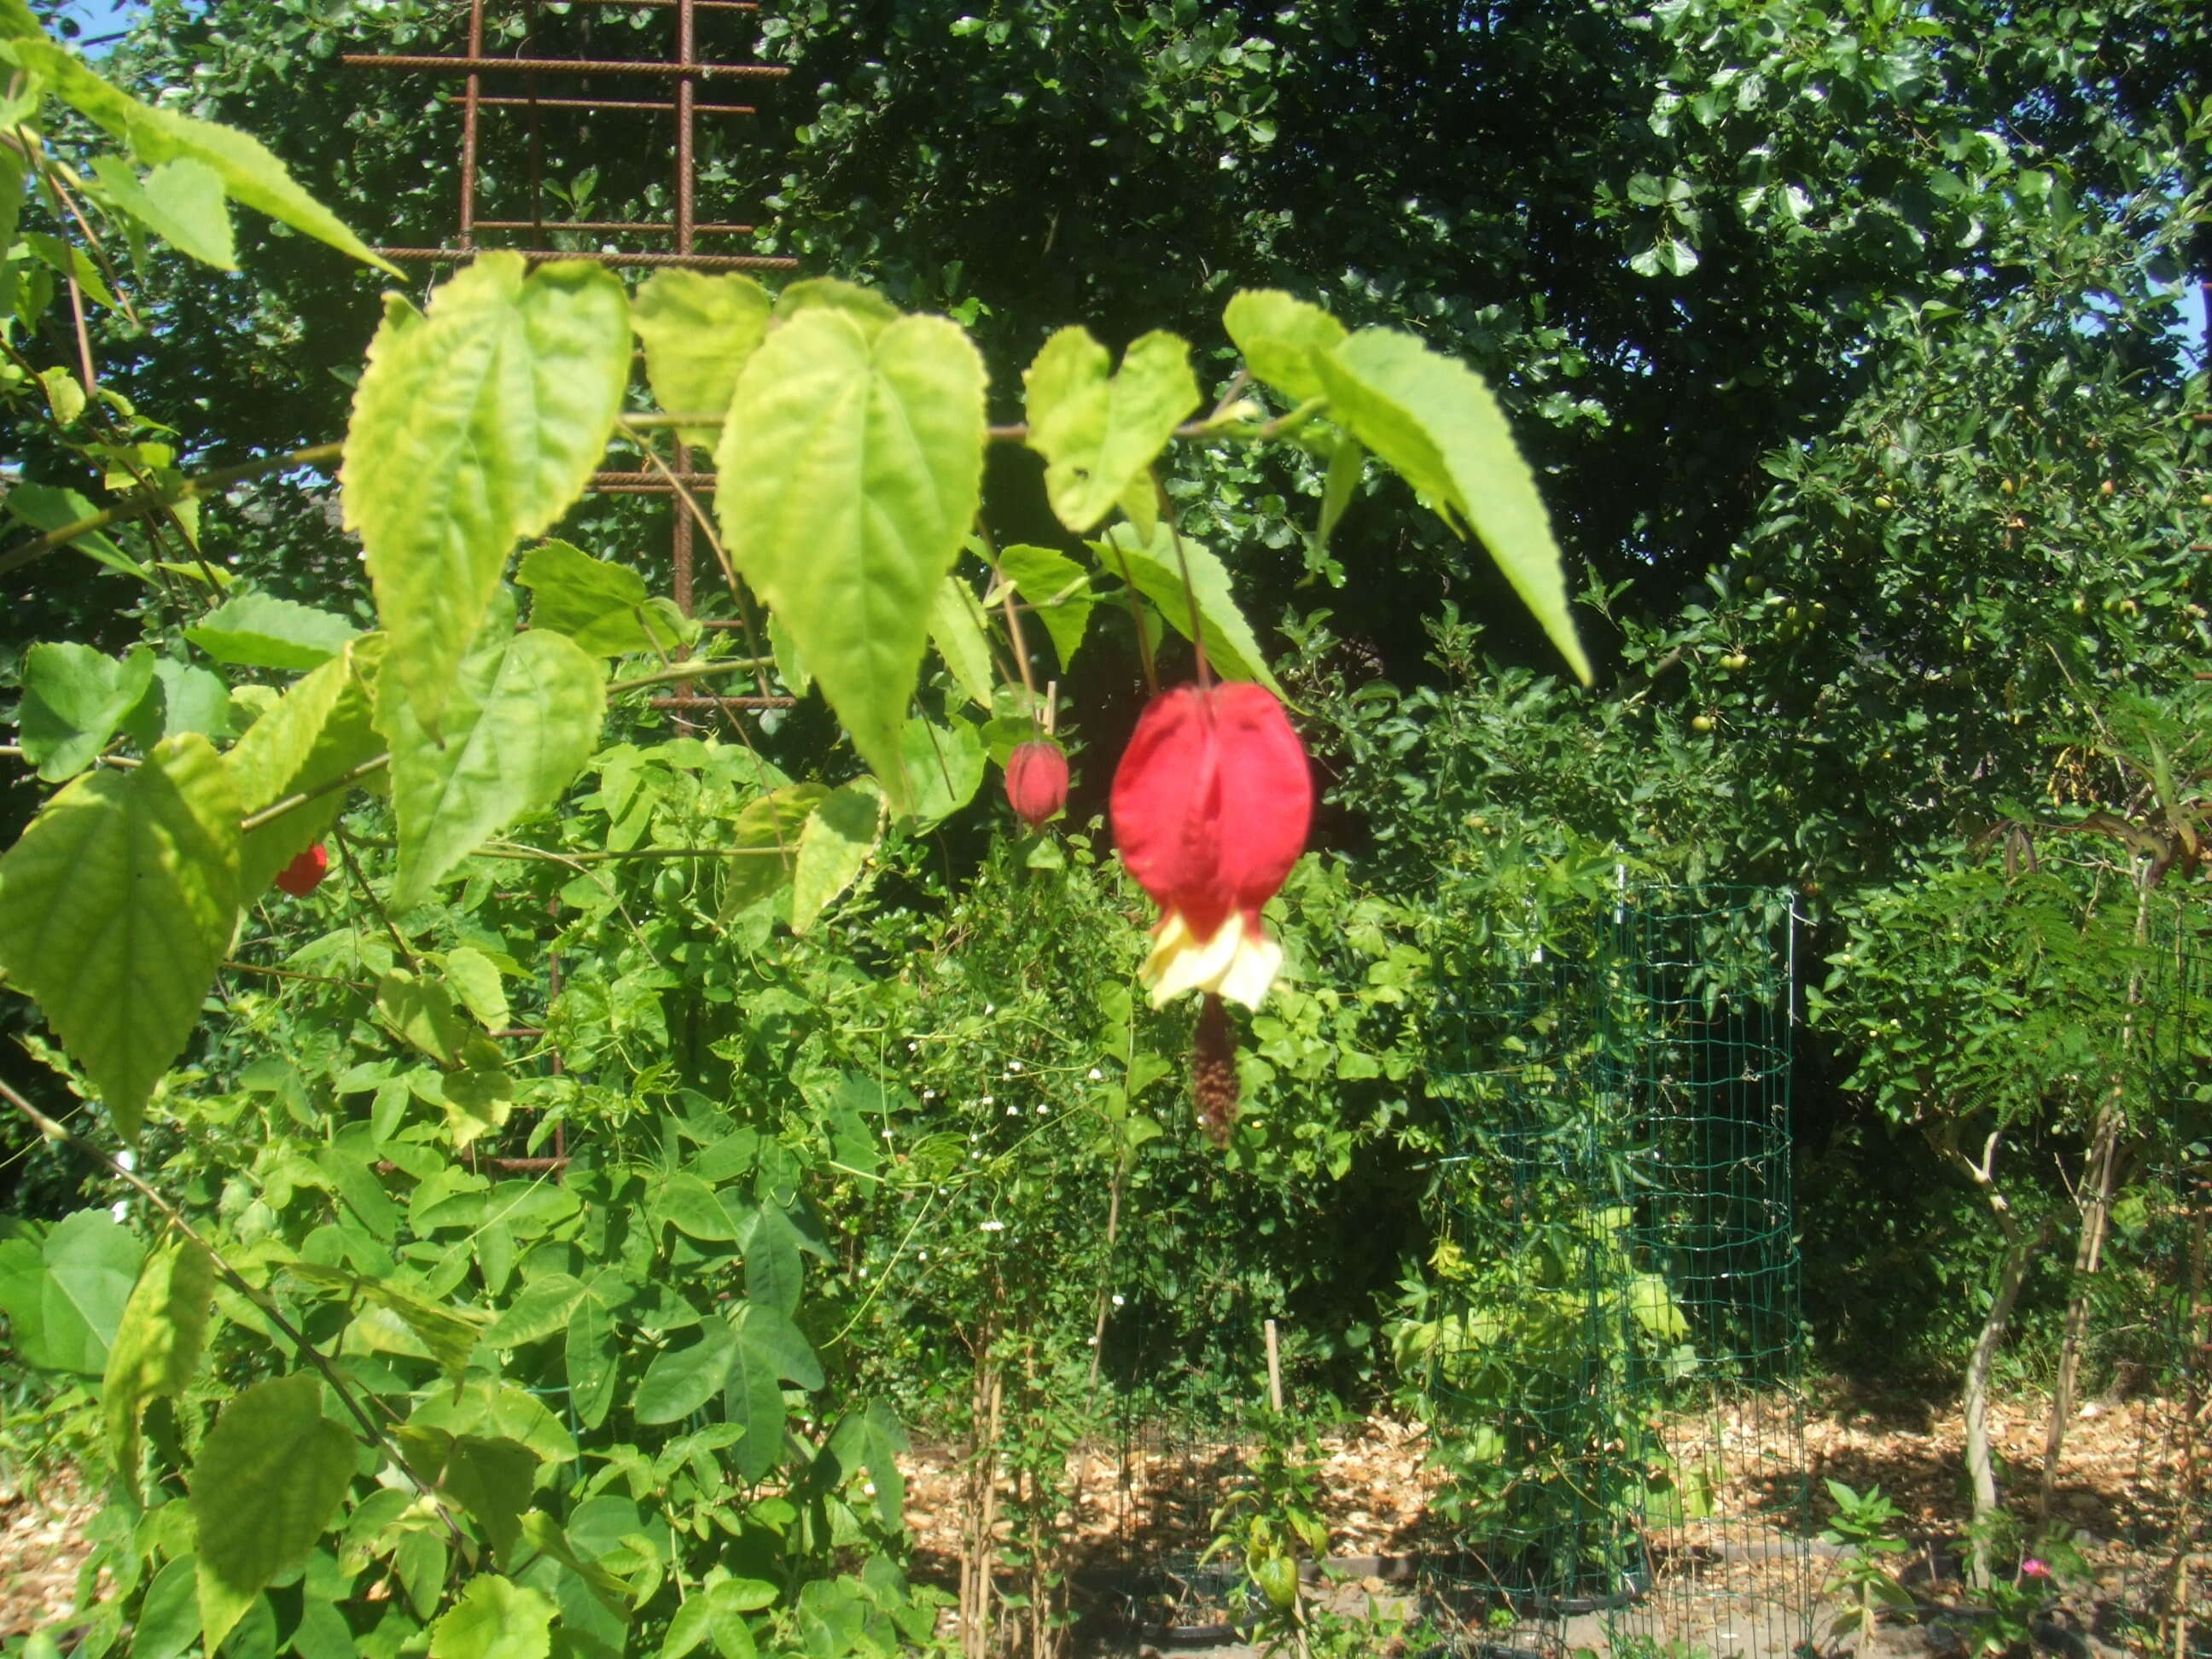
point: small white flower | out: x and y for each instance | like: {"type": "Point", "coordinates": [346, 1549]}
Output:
{"type": "Point", "coordinates": [990, 1008]}
{"type": "Point", "coordinates": [864, 1273]}
{"type": "Point", "coordinates": [929, 1094]}
{"type": "Point", "coordinates": [869, 1487]}
{"type": "Point", "coordinates": [1118, 1298]}
{"type": "Point", "coordinates": [921, 1255]}
{"type": "Point", "coordinates": [985, 1101]}
{"type": "Point", "coordinates": [1014, 1111]}
{"type": "Point", "coordinates": [1095, 1074]}
{"type": "Point", "coordinates": [1090, 1342]}
{"type": "Point", "coordinates": [1043, 1108]}
{"type": "Point", "coordinates": [995, 1226]}
{"type": "Point", "coordinates": [914, 1048]}
{"type": "Point", "coordinates": [887, 1134]}
{"type": "Point", "coordinates": [1013, 1065]}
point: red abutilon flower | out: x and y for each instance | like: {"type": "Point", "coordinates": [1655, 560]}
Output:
{"type": "Point", "coordinates": [1037, 781]}
{"type": "Point", "coordinates": [1210, 806]}
{"type": "Point", "coordinates": [305, 874]}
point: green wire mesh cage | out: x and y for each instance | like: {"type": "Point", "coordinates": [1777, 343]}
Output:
{"type": "Point", "coordinates": [1611, 1330]}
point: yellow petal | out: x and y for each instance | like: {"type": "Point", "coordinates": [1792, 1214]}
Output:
{"type": "Point", "coordinates": [1236, 962]}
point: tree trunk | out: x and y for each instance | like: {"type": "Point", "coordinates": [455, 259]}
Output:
{"type": "Point", "coordinates": [2012, 1274]}
{"type": "Point", "coordinates": [2096, 1217]}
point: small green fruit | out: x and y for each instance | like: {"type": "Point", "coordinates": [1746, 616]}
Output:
{"type": "Point", "coordinates": [1735, 662]}
{"type": "Point", "coordinates": [1701, 723]}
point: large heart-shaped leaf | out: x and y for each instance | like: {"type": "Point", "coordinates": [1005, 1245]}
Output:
{"type": "Point", "coordinates": [851, 465]}
{"type": "Point", "coordinates": [1279, 335]}
{"type": "Point", "coordinates": [473, 425]}
{"type": "Point", "coordinates": [115, 909]}
{"type": "Point", "coordinates": [74, 698]}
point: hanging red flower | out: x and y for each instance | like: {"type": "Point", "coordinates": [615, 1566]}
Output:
{"type": "Point", "coordinates": [1210, 806]}
{"type": "Point", "coordinates": [305, 874]}
{"type": "Point", "coordinates": [1037, 782]}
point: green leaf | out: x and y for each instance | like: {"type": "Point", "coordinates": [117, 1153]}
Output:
{"type": "Point", "coordinates": [168, 1621]}
{"type": "Point", "coordinates": [448, 1334]}
{"type": "Point", "coordinates": [521, 717]}
{"type": "Point", "coordinates": [774, 1273]}
{"type": "Point", "coordinates": [498, 1411]}
{"type": "Point", "coordinates": [698, 332]}
{"type": "Point", "coordinates": [157, 1346]}
{"type": "Point", "coordinates": [64, 1297]}
{"type": "Point", "coordinates": [604, 607]}
{"type": "Point", "coordinates": [45, 507]}
{"type": "Point", "coordinates": [542, 1534]}
{"type": "Point", "coordinates": [495, 1619]}
{"type": "Point", "coordinates": [475, 425]}
{"type": "Point", "coordinates": [1280, 337]}
{"type": "Point", "coordinates": [476, 981]}
{"type": "Point", "coordinates": [850, 470]}
{"type": "Point", "coordinates": [872, 1439]}
{"type": "Point", "coordinates": [680, 1380]}
{"type": "Point", "coordinates": [833, 847]}
{"type": "Point", "coordinates": [1057, 588]}
{"type": "Point", "coordinates": [492, 1478]}
{"type": "Point", "coordinates": [957, 634]}
{"type": "Point", "coordinates": [181, 201]}
{"type": "Point", "coordinates": [64, 397]}
{"type": "Point", "coordinates": [1436, 423]}
{"type": "Point", "coordinates": [768, 831]}
{"type": "Point", "coordinates": [267, 1481]}
{"type": "Point", "coordinates": [75, 699]}
{"type": "Point", "coordinates": [318, 730]}
{"type": "Point", "coordinates": [752, 1402]}
{"type": "Point", "coordinates": [422, 1012]}
{"type": "Point", "coordinates": [1099, 433]}
{"type": "Point", "coordinates": [115, 909]}
{"type": "Point", "coordinates": [1158, 572]}
{"type": "Point", "coordinates": [1347, 465]}
{"type": "Point", "coordinates": [591, 1356]}
{"type": "Point", "coordinates": [258, 630]}
{"type": "Point", "coordinates": [66, 259]}
{"type": "Point", "coordinates": [192, 700]}
{"type": "Point", "coordinates": [944, 769]}
{"type": "Point", "coordinates": [689, 1205]}
{"type": "Point", "coordinates": [155, 135]}
{"type": "Point", "coordinates": [542, 1309]}
{"type": "Point", "coordinates": [766, 1333]}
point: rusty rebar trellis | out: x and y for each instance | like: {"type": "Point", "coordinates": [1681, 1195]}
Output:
{"type": "Point", "coordinates": [689, 70]}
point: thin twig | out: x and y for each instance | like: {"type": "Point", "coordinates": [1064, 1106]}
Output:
{"type": "Point", "coordinates": [361, 881]}
{"type": "Point", "coordinates": [142, 503]}
{"type": "Point", "coordinates": [290, 803]}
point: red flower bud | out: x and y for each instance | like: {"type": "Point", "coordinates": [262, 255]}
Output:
{"type": "Point", "coordinates": [1037, 782]}
{"type": "Point", "coordinates": [305, 874]}
{"type": "Point", "coordinates": [1210, 806]}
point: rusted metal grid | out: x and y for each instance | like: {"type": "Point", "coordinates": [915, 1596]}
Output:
{"type": "Point", "coordinates": [689, 70]}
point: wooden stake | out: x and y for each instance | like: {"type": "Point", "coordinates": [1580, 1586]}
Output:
{"type": "Point", "coordinates": [1274, 1370]}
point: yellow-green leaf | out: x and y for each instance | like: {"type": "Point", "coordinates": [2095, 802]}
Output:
{"type": "Point", "coordinates": [1434, 420]}
{"type": "Point", "coordinates": [698, 330]}
{"type": "Point", "coordinates": [522, 716]}
{"type": "Point", "coordinates": [115, 909]}
{"type": "Point", "coordinates": [833, 846]}
{"type": "Point", "coordinates": [319, 730]}
{"type": "Point", "coordinates": [850, 470]}
{"type": "Point", "coordinates": [1099, 432]}
{"type": "Point", "coordinates": [1157, 572]}
{"type": "Point", "coordinates": [1280, 337]}
{"type": "Point", "coordinates": [495, 1619]}
{"type": "Point", "coordinates": [959, 639]}
{"type": "Point", "coordinates": [157, 1346]}
{"type": "Point", "coordinates": [476, 424]}
{"type": "Point", "coordinates": [1057, 588]}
